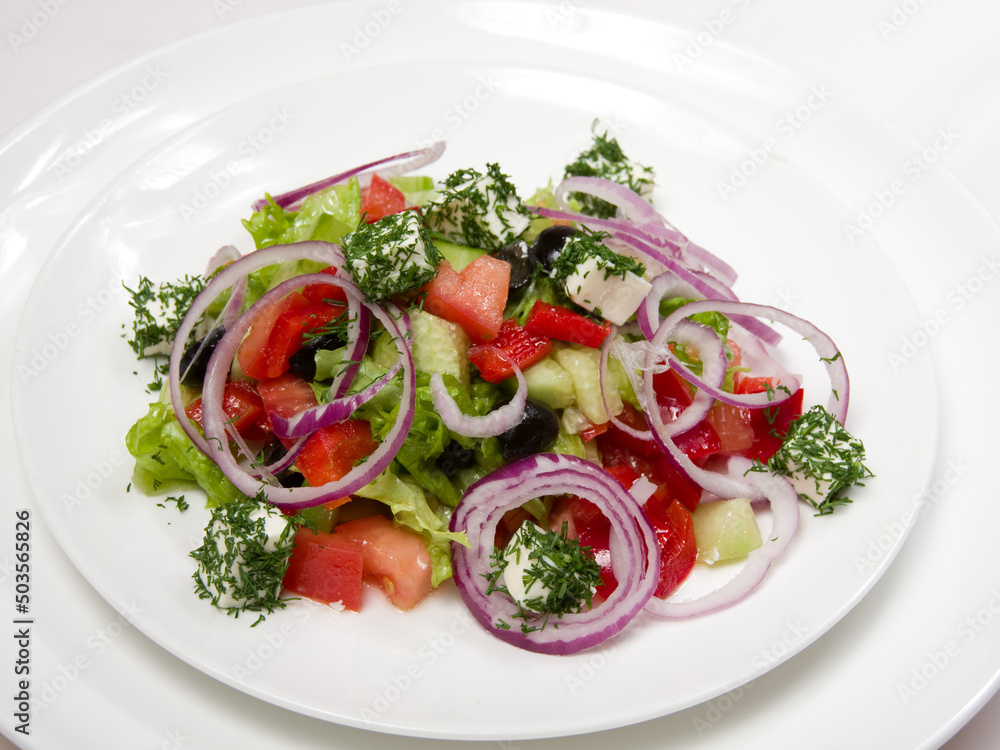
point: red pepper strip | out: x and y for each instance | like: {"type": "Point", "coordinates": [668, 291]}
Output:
{"type": "Point", "coordinates": [556, 322]}
{"type": "Point", "coordinates": [521, 346]}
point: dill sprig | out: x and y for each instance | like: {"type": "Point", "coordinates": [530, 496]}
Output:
{"type": "Point", "coordinates": [158, 310]}
{"type": "Point", "coordinates": [823, 458]}
{"type": "Point", "coordinates": [478, 210]}
{"type": "Point", "coordinates": [240, 563]}
{"type": "Point", "coordinates": [562, 573]}
{"type": "Point", "coordinates": [586, 244]}
{"type": "Point", "coordinates": [606, 159]}
{"type": "Point", "coordinates": [392, 255]}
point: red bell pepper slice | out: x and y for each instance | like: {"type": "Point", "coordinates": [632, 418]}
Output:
{"type": "Point", "coordinates": [513, 345]}
{"type": "Point", "coordinates": [557, 322]}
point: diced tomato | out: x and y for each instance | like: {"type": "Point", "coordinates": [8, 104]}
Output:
{"type": "Point", "coordinates": [317, 293]}
{"type": "Point", "coordinates": [252, 351]}
{"type": "Point", "coordinates": [286, 396]}
{"type": "Point", "coordinates": [288, 335]}
{"type": "Point", "coordinates": [675, 535]}
{"type": "Point", "coordinates": [396, 559]}
{"type": "Point", "coordinates": [591, 528]}
{"type": "Point", "coordinates": [244, 409]}
{"type": "Point", "coordinates": [326, 568]}
{"type": "Point", "coordinates": [557, 322]}
{"type": "Point", "coordinates": [732, 425]}
{"type": "Point", "coordinates": [380, 199]}
{"type": "Point", "coordinates": [513, 345]}
{"type": "Point", "coordinates": [746, 384]}
{"type": "Point", "coordinates": [332, 451]}
{"type": "Point", "coordinates": [474, 298]}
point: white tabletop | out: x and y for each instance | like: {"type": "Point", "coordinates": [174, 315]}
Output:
{"type": "Point", "coordinates": [929, 68]}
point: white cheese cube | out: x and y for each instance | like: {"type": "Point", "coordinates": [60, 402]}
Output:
{"type": "Point", "coordinates": [615, 297]}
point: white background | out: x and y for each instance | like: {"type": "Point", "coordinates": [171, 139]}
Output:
{"type": "Point", "coordinates": [924, 65]}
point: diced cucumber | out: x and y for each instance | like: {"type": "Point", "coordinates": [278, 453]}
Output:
{"type": "Point", "coordinates": [439, 346]}
{"type": "Point", "coordinates": [583, 365]}
{"type": "Point", "coordinates": [547, 382]}
{"type": "Point", "coordinates": [725, 530]}
{"type": "Point", "coordinates": [458, 255]}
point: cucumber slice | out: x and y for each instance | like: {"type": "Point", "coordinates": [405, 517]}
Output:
{"type": "Point", "coordinates": [458, 255]}
{"type": "Point", "coordinates": [725, 530]}
{"type": "Point", "coordinates": [583, 365]}
{"type": "Point", "coordinates": [439, 346]}
{"type": "Point", "coordinates": [547, 382]}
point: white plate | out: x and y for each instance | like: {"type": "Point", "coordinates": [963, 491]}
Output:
{"type": "Point", "coordinates": [169, 212]}
{"type": "Point", "coordinates": [858, 667]}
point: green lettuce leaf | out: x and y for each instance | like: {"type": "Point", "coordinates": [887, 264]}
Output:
{"type": "Point", "coordinates": [165, 458]}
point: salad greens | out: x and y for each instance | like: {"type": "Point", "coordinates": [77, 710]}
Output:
{"type": "Point", "coordinates": [472, 215]}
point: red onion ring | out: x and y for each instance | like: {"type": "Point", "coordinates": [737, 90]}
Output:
{"type": "Point", "coordinates": [784, 503]}
{"type": "Point", "coordinates": [632, 205]}
{"type": "Point", "coordinates": [634, 550]}
{"type": "Point", "coordinates": [823, 344]}
{"type": "Point", "coordinates": [400, 164]}
{"type": "Point", "coordinates": [228, 277]}
{"type": "Point", "coordinates": [296, 498]}
{"type": "Point", "coordinates": [496, 422]}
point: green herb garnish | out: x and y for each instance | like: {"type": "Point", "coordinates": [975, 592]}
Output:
{"type": "Point", "coordinates": [560, 576]}
{"type": "Point", "coordinates": [822, 458]}
{"type": "Point", "coordinates": [586, 245]}
{"type": "Point", "coordinates": [606, 159]}
{"type": "Point", "coordinates": [157, 314]}
{"type": "Point", "coordinates": [241, 564]}
{"type": "Point", "coordinates": [477, 210]}
{"type": "Point", "coordinates": [392, 255]}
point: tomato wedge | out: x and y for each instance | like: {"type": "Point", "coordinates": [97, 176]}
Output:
{"type": "Point", "coordinates": [326, 568]}
{"type": "Point", "coordinates": [244, 409]}
{"type": "Point", "coordinates": [474, 297]}
{"type": "Point", "coordinates": [395, 559]}
{"type": "Point", "coordinates": [381, 199]}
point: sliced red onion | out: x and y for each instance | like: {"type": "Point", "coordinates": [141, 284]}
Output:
{"type": "Point", "coordinates": [709, 288]}
{"type": "Point", "coordinates": [225, 254]}
{"type": "Point", "coordinates": [226, 278]}
{"type": "Point", "coordinates": [723, 485]}
{"type": "Point", "coordinates": [823, 344]}
{"type": "Point", "coordinates": [784, 502]}
{"type": "Point", "coordinates": [308, 421]}
{"type": "Point", "coordinates": [391, 166]}
{"type": "Point", "coordinates": [713, 362]}
{"type": "Point", "coordinates": [659, 234]}
{"type": "Point", "coordinates": [666, 285]}
{"type": "Point", "coordinates": [633, 206]}
{"type": "Point", "coordinates": [297, 498]}
{"type": "Point", "coordinates": [634, 551]}
{"type": "Point", "coordinates": [496, 422]}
